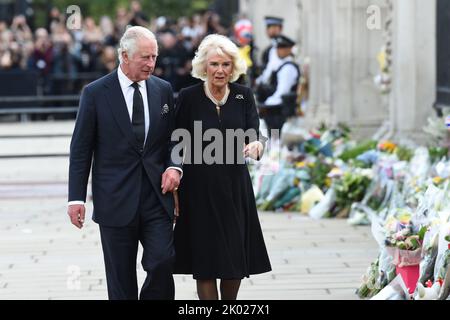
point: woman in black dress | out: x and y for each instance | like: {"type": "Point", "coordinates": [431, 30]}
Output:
{"type": "Point", "coordinates": [218, 234]}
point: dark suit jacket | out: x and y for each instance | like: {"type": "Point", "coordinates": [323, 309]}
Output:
{"type": "Point", "coordinates": [103, 136]}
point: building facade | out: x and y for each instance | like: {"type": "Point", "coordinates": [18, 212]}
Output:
{"type": "Point", "coordinates": [349, 43]}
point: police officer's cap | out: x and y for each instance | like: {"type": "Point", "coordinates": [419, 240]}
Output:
{"type": "Point", "coordinates": [284, 42]}
{"type": "Point", "coordinates": [269, 20]}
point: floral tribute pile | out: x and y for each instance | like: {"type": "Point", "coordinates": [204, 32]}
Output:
{"type": "Point", "coordinates": [401, 189]}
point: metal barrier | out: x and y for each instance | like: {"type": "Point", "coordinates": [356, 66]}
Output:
{"type": "Point", "coordinates": [27, 93]}
{"type": "Point", "coordinates": [26, 106]}
{"type": "Point", "coordinates": [29, 105]}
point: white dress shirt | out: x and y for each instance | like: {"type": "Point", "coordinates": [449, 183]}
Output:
{"type": "Point", "coordinates": [273, 63]}
{"type": "Point", "coordinates": [286, 78]}
{"type": "Point", "coordinates": [128, 91]}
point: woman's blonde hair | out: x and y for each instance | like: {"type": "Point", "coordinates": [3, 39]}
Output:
{"type": "Point", "coordinates": [222, 46]}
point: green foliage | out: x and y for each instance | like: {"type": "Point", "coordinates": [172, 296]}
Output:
{"type": "Point", "coordinates": [350, 188]}
{"type": "Point", "coordinates": [359, 149]}
{"type": "Point", "coordinates": [436, 153]}
{"type": "Point", "coordinates": [311, 147]}
{"type": "Point", "coordinates": [377, 197]}
{"type": "Point", "coordinates": [404, 153]}
{"type": "Point", "coordinates": [422, 232]}
{"type": "Point", "coordinates": [318, 174]}
{"type": "Point", "coordinates": [345, 129]}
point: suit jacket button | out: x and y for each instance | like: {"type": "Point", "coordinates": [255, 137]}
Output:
{"type": "Point", "coordinates": [141, 150]}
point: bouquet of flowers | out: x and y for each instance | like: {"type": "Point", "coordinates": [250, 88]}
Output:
{"type": "Point", "coordinates": [378, 275]}
{"type": "Point", "coordinates": [367, 288]}
{"type": "Point", "coordinates": [318, 172]}
{"type": "Point", "coordinates": [404, 240]}
{"type": "Point", "coordinates": [376, 197]}
{"type": "Point", "coordinates": [429, 254]}
{"type": "Point", "coordinates": [323, 140]}
{"type": "Point", "coordinates": [350, 188]}
{"type": "Point", "coordinates": [274, 187]}
{"type": "Point", "coordinates": [436, 129]}
{"type": "Point", "coordinates": [357, 150]}
{"type": "Point", "coordinates": [442, 267]}
{"type": "Point", "coordinates": [437, 153]}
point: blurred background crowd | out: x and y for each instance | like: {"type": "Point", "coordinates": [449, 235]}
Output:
{"type": "Point", "coordinates": [63, 59]}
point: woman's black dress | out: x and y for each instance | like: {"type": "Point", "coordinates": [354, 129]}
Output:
{"type": "Point", "coordinates": [218, 234]}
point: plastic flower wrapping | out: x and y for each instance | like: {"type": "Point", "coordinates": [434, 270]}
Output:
{"type": "Point", "coordinates": [442, 266]}
{"type": "Point", "coordinates": [401, 189]}
{"type": "Point", "coordinates": [404, 242]}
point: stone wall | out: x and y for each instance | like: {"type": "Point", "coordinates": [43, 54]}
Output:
{"type": "Point", "coordinates": [414, 66]}
{"type": "Point", "coordinates": [343, 51]}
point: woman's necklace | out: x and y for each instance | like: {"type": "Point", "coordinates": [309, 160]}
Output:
{"type": "Point", "coordinates": [218, 103]}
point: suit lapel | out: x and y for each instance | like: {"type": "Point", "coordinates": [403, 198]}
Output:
{"type": "Point", "coordinates": [154, 105]}
{"type": "Point", "coordinates": [119, 108]}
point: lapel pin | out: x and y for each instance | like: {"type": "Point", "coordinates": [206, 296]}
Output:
{"type": "Point", "coordinates": [240, 96]}
{"type": "Point", "coordinates": [165, 109]}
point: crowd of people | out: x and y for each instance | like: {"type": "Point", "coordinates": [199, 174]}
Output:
{"type": "Point", "coordinates": [64, 58]}
{"type": "Point", "coordinates": [57, 52]}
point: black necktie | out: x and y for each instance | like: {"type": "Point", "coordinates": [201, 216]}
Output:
{"type": "Point", "coordinates": [138, 119]}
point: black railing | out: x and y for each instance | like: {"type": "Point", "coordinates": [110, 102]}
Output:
{"type": "Point", "coordinates": [22, 108]}
{"type": "Point", "coordinates": [26, 108]}
{"type": "Point", "coordinates": [23, 98]}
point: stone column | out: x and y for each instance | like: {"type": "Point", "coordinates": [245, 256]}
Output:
{"type": "Point", "coordinates": [343, 55]}
{"type": "Point", "coordinates": [414, 66]}
{"type": "Point", "coordinates": [317, 47]}
{"type": "Point", "coordinates": [342, 61]}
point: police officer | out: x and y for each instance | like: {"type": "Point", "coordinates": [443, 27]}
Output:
{"type": "Point", "coordinates": [270, 60]}
{"type": "Point", "coordinates": [280, 99]}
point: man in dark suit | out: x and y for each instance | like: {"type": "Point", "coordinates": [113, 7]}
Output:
{"type": "Point", "coordinates": [123, 127]}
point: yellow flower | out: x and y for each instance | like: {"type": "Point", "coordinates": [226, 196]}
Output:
{"type": "Point", "coordinates": [437, 180]}
{"type": "Point", "coordinates": [327, 182]}
{"type": "Point", "coordinates": [404, 216]}
{"type": "Point", "coordinates": [335, 172]}
{"type": "Point", "coordinates": [387, 146]}
{"type": "Point", "coordinates": [300, 164]}
{"type": "Point", "coordinates": [381, 58]}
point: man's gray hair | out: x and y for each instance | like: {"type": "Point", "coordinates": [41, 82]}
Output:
{"type": "Point", "coordinates": [128, 42]}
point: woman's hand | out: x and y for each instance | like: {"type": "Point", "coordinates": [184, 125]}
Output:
{"type": "Point", "coordinates": [254, 150]}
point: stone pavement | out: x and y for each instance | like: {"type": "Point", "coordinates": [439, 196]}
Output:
{"type": "Point", "coordinates": [42, 256]}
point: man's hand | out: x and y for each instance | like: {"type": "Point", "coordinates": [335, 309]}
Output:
{"type": "Point", "coordinates": [170, 180]}
{"type": "Point", "coordinates": [254, 150]}
{"type": "Point", "coordinates": [76, 213]}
